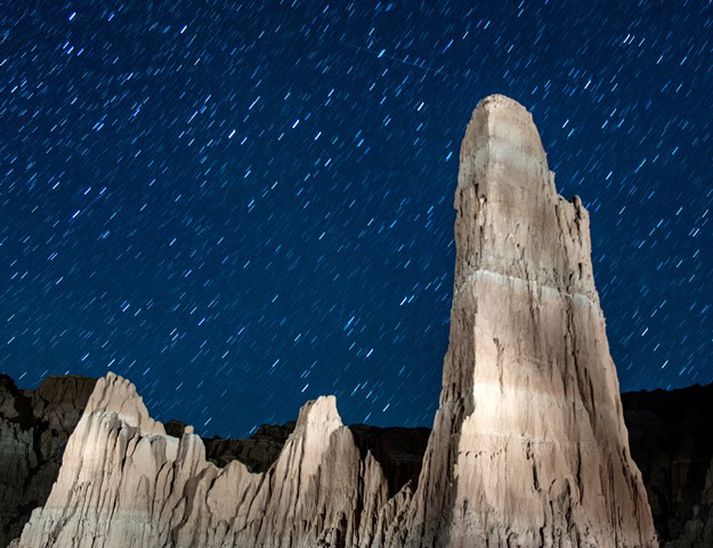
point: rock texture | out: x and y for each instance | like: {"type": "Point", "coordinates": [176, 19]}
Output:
{"type": "Point", "coordinates": [34, 428]}
{"type": "Point", "coordinates": [124, 482]}
{"type": "Point", "coordinates": [27, 476]}
{"type": "Point", "coordinates": [671, 436]}
{"type": "Point", "coordinates": [399, 452]}
{"type": "Point", "coordinates": [529, 446]}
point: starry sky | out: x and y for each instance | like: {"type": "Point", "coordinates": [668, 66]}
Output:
{"type": "Point", "coordinates": [241, 206]}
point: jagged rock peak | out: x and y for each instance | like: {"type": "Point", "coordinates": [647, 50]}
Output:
{"type": "Point", "coordinates": [505, 120]}
{"type": "Point", "coordinates": [318, 419]}
{"type": "Point", "coordinates": [116, 394]}
{"type": "Point", "coordinates": [321, 412]}
{"type": "Point", "coordinates": [143, 488]}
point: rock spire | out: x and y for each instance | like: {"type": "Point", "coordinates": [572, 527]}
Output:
{"type": "Point", "coordinates": [529, 446]}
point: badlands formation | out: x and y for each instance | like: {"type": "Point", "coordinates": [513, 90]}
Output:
{"type": "Point", "coordinates": [528, 447]}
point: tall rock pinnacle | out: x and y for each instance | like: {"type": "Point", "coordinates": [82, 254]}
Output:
{"type": "Point", "coordinates": [529, 446]}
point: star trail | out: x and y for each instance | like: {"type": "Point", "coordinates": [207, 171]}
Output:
{"type": "Point", "coordinates": [241, 206]}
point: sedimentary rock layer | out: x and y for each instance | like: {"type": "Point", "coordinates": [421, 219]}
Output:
{"type": "Point", "coordinates": [529, 446]}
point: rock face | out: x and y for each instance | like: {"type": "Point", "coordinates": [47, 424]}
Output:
{"type": "Point", "coordinates": [34, 428]}
{"type": "Point", "coordinates": [258, 452]}
{"type": "Point", "coordinates": [671, 435]}
{"type": "Point", "coordinates": [123, 481]}
{"type": "Point", "coordinates": [529, 446]}
{"type": "Point", "coordinates": [399, 452]}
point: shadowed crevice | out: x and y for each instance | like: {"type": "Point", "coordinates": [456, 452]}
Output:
{"type": "Point", "coordinates": [399, 451]}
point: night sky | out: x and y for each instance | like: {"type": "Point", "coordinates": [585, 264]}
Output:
{"type": "Point", "coordinates": [241, 206]}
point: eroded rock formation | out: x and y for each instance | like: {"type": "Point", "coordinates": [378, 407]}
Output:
{"type": "Point", "coordinates": [399, 452]}
{"type": "Point", "coordinates": [670, 432]}
{"type": "Point", "coordinates": [529, 446]}
{"type": "Point", "coordinates": [671, 436]}
{"type": "Point", "coordinates": [32, 447]}
{"type": "Point", "coordinates": [34, 428]}
{"type": "Point", "coordinates": [257, 452]}
{"type": "Point", "coordinates": [123, 481]}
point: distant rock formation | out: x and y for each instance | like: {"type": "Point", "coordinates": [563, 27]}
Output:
{"type": "Point", "coordinates": [399, 452]}
{"type": "Point", "coordinates": [34, 428]}
{"type": "Point", "coordinates": [529, 446]}
{"type": "Point", "coordinates": [671, 437]}
{"type": "Point", "coordinates": [257, 452]}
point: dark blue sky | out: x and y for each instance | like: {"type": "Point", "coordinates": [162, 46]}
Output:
{"type": "Point", "coordinates": [240, 206]}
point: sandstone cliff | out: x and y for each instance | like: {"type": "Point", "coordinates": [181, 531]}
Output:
{"type": "Point", "coordinates": [529, 446]}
